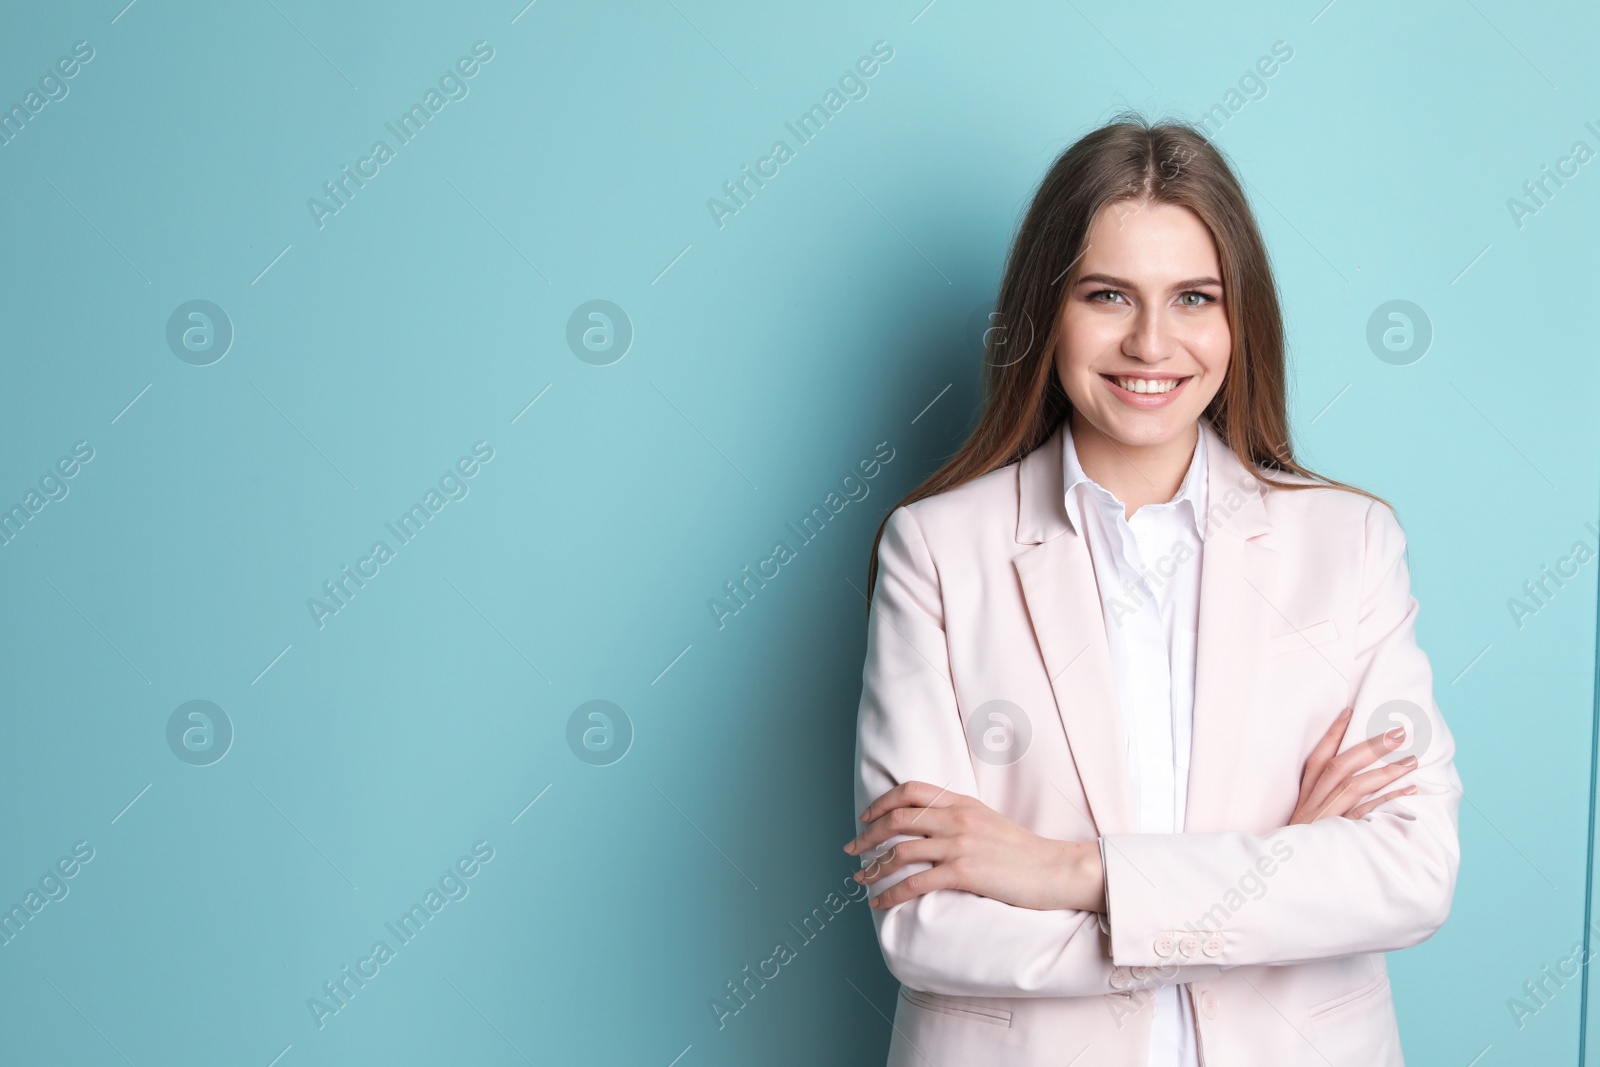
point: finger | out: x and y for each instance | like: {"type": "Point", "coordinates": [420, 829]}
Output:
{"type": "Point", "coordinates": [1373, 748]}
{"type": "Point", "coordinates": [937, 877]}
{"type": "Point", "coordinates": [1336, 798]}
{"type": "Point", "coordinates": [921, 822]}
{"type": "Point", "coordinates": [1369, 782]}
{"type": "Point", "coordinates": [1354, 788]}
{"type": "Point", "coordinates": [1340, 768]}
{"type": "Point", "coordinates": [1323, 752]}
{"type": "Point", "coordinates": [1370, 806]}
{"type": "Point", "coordinates": [891, 799]}
{"type": "Point", "coordinates": [926, 822]}
{"type": "Point", "coordinates": [1321, 809]}
{"type": "Point", "coordinates": [1336, 729]}
{"type": "Point", "coordinates": [919, 850]}
{"type": "Point", "coordinates": [920, 794]}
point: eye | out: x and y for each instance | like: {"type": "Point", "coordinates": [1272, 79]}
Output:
{"type": "Point", "coordinates": [1093, 297]}
{"type": "Point", "coordinates": [1205, 298]}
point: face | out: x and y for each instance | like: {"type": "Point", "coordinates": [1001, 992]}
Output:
{"type": "Point", "coordinates": [1144, 341]}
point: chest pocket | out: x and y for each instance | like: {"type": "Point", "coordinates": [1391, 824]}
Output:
{"type": "Point", "coordinates": [1306, 637]}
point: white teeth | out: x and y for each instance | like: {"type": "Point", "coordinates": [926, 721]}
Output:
{"type": "Point", "coordinates": [1148, 385]}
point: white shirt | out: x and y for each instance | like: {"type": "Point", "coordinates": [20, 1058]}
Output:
{"type": "Point", "coordinates": [1148, 572]}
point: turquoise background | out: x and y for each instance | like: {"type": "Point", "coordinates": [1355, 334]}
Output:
{"type": "Point", "coordinates": [835, 311]}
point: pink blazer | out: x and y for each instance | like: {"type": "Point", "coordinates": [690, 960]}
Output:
{"type": "Point", "coordinates": [985, 593]}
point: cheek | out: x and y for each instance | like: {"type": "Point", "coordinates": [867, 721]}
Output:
{"type": "Point", "coordinates": [1071, 370]}
{"type": "Point", "coordinates": [1082, 338]}
{"type": "Point", "coordinates": [1211, 343]}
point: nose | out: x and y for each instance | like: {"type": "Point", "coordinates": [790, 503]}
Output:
{"type": "Point", "coordinates": [1150, 336]}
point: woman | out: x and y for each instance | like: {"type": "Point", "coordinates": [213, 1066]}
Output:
{"type": "Point", "coordinates": [1104, 817]}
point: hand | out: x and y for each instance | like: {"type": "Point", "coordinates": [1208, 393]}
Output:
{"type": "Point", "coordinates": [1329, 788]}
{"type": "Point", "coordinates": [974, 848]}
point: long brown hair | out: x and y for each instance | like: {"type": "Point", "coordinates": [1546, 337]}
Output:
{"type": "Point", "coordinates": [1127, 159]}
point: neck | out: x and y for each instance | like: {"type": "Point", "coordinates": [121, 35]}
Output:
{"type": "Point", "coordinates": [1136, 474]}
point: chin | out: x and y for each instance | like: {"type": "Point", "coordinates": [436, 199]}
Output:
{"type": "Point", "coordinates": [1156, 428]}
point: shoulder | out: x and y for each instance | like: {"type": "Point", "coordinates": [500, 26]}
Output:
{"type": "Point", "coordinates": [960, 528]}
{"type": "Point", "coordinates": [974, 510]}
{"type": "Point", "coordinates": [1322, 512]}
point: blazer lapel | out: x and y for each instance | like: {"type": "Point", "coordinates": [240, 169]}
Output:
{"type": "Point", "coordinates": [1238, 591]}
{"type": "Point", "coordinates": [1237, 586]}
{"type": "Point", "coordinates": [1063, 600]}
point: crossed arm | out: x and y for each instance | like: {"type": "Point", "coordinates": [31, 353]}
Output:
{"type": "Point", "coordinates": [967, 902]}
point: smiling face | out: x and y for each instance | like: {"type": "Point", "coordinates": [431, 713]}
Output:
{"type": "Point", "coordinates": [1144, 340]}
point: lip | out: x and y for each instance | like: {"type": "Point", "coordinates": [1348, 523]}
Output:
{"type": "Point", "coordinates": [1148, 400]}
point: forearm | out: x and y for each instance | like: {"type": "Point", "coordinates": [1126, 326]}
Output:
{"type": "Point", "coordinates": [966, 944]}
{"type": "Point", "coordinates": [961, 944]}
{"type": "Point", "coordinates": [1335, 887]}
{"type": "Point", "coordinates": [1082, 874]}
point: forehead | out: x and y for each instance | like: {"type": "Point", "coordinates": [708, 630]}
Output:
{"type": "Point", "coordinates": [1149, 242]}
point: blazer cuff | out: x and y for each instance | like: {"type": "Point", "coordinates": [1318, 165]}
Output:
{"type": "Point", "coordinates": [1105, 916]}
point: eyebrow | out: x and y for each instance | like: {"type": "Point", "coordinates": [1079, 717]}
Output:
{"type": "Point", "coordinates": [1123, 283]}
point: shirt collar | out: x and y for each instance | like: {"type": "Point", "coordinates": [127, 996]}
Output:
{"type": "Point", "coordinates": [1192, 489]}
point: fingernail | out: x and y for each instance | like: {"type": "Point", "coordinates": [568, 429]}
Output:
{"type": "Point", "coordinates": [1396, 735]}
{"type": "Point", "coordinates": [1409, 761]}
{"type": "Point", "coordinates": [1345, 714]}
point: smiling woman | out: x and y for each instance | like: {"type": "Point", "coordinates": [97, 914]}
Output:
{"type": "Point", "coordinates": [1066, 898]}
{"type": "Point", "coordinates": [1137, 337]}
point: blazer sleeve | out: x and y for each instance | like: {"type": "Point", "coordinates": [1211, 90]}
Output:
{"type": "Point", "coordinates": [909, 728]}
{"type": "Point", "coordinates": [1334, 887]}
